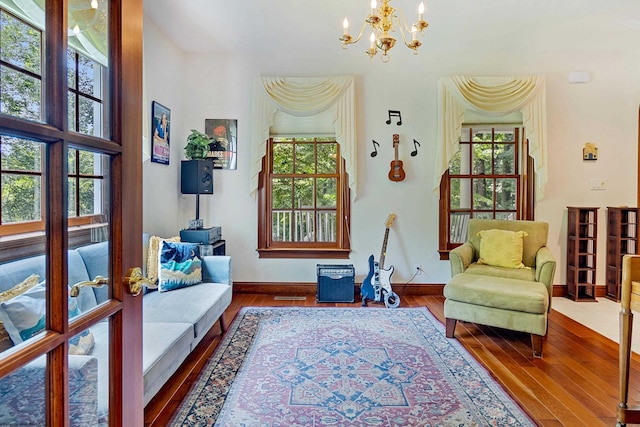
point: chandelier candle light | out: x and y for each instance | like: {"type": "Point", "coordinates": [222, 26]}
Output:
{"type": "Point", "coordinates": [382, 20]}
{"type": "Point", "coordinates": [79, 13]}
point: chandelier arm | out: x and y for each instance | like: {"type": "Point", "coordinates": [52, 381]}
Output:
{"type": "Point", "coordinates": [357, 39]}
{"type": "Point", "coordinates": [364, 25]}
{"type": "Point", "coordinates": [401, 31]}
{"type": "Point", "coordinates": [402, 23]}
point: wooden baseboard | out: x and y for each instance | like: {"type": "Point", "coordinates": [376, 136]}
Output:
{"type": "Point", "coordinates": [561, 291]}
{"type": "Point", "coordinates": [307, 288]}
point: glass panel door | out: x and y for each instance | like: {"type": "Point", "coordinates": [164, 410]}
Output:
{"type": "Point", "coordinates": [90, 287]}
{"type": "Point", "coordinates": [71, 344]}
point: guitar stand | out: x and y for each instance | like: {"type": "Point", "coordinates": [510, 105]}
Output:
{"type": "Point", "coordinates": [390, 298]}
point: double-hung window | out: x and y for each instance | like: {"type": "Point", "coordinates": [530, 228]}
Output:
{"type": "Point", "coordinates": [488, 178]}
{"type": "Point", "coordinates": [303, 200]}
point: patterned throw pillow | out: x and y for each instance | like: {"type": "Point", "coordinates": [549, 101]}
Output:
{"type": "Point", "coordinates": [24, 316]}
{"type": "Point", "coordinates": [179, 266]}
{"type": "Point", "coordinates": [501, 248]}
{"type": "Point", "coordinates": [84, 342]}
{"type": "Point", "coordinates": [152, 258]}
{"type": "Point", "coordinates": [20, 288]}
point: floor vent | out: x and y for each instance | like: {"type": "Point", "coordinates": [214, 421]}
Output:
{"type": "Point", "coordinates": [288, 298]}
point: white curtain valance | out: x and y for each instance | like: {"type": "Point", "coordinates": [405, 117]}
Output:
{"type": "Point", "coordinates": [320, 125]}
{"type": "Point", "coordinates": [302, 97]}
{"type": "Point", "coordinates": [492, 96]}
{"type": "Point", "coordinates": [475, 118]}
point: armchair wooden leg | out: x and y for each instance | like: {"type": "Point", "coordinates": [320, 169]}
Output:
{"type": "Point", "coordinates": [450, 327]}
{"type": "Point", "coordinates": [536, 344]}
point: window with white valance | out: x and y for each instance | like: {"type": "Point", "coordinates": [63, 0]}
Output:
{"type": "Point", "coordinates": [492, 97]}
{"type": "Point", "coordinates": [327, 102]}
{"type": "Point", "coordinates": [491, 152]}
{"type": "Point", "coordinates": [304, 165]}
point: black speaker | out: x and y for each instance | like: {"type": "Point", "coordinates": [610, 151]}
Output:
{"type": "Point", "coordinates": [196, 177]}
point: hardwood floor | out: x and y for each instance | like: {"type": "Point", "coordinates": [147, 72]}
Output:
{"type": "Point", "coordinates": [574, 384]}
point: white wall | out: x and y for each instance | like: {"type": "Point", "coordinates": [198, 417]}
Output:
{"type": "Point", "coordinates": [604, 111]}
{"type": "Point", "coordinates": [164, 66]}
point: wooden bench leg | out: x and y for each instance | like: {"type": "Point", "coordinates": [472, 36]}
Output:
{"type": "Point", "coordinates": [451, 327]}
{"type": "Point", "coordinates": [536, 344]}
{"type": "Point", "coordinates": [223, 324]}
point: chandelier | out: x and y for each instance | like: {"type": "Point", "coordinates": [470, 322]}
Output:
{"type": "Point", "coordinates": [84, 14]}
{"type": "Point", "coordinates": [382, 20]}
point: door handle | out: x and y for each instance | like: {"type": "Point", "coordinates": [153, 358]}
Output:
{"type": "Point", "coordinates": [98, 282]}
{"type": "Point", "coordinates": [135, 281]}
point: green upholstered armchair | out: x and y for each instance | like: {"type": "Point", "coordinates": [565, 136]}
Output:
{"type": "Point", "coordinates": [512, 298]}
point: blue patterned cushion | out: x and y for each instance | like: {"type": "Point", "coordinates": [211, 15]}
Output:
{"type": "Point", "coordinates": [179, 266]}
{"type": "Point", "coordinates": [24, 315]}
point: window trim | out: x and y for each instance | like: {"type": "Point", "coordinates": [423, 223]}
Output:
{"type": "Point", "coordinates": [526, 191]}
{"type": "Point", "coordinates": [341, 249]}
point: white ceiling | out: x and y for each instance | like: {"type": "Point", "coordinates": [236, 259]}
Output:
{"type": "Point", "coordinates": [207, 26]}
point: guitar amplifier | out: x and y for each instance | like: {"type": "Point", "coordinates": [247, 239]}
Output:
{"type": "Point", "coordinates": [336, 283]}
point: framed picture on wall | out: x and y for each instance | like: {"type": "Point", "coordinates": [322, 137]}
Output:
{"type": "Point", "coordinates": [160, 127]}
{"type": "Point", "coordinates": [224, 146]}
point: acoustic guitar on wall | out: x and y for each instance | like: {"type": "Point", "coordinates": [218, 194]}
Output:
{"type": "Point", "coordinates": [396, 173]}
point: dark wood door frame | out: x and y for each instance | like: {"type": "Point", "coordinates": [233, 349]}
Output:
{"type": "Point", "coordinates": [126, 84]}
{"type": "Point", "coordinates": [125, 59]}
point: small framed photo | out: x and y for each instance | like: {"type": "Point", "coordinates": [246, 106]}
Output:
{"type": "Point", "coordinates": [223, 149]}
{"type": "Point", "coordinates": [160, 127]}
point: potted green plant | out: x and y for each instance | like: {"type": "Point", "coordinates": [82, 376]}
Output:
{"type": "Point", "coordinates": [197, 145]}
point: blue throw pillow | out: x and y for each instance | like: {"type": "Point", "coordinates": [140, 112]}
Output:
{"type": "Point", "coordinates": [24, 315]}
{"type": "Point", "coordinates": [179, 266]}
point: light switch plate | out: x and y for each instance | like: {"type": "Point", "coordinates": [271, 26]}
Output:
{"type": "Point", "coordinates": [598, 184]}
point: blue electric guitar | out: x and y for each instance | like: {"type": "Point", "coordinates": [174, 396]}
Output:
{"type": "Point", "coordinates": [367, 288]}
{"type": "Point", "coordinates": [377, 285]}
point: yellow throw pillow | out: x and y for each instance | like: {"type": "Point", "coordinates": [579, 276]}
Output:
{"type": "Point", "coordinates": [152, 257]}
{"type": "Point", "coordinates": [19, 289]}
{"type": "Point", "coordinates": [501, 248]}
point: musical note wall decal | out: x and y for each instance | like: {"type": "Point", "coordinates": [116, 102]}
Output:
{"type": "Point", "coordinates": [395, 113]}
{"type": "Point", "coordinates": [375, 149]}
{"type": "Point", "coordinates": [415, 151]}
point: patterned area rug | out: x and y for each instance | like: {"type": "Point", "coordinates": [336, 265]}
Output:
{"type": "Point", "coordinates": [344, 367]}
